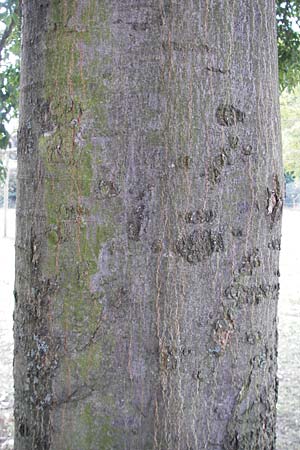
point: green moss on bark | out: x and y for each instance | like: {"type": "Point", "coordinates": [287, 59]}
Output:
{"type": "Point", "coordinates": [77, 99]}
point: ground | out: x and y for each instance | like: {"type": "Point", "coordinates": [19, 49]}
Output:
{"type": "Point", "coordinates": [289, 334]}
{"type": "Point", "coordinates": [6, 333]}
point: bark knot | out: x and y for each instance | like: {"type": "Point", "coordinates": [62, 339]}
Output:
{"type": "Point", "coordinates": [199, 245]}
{"type": "Point", "coordinates": [228, 115]}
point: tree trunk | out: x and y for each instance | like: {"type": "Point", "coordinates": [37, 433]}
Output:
{"type": "Point", "coordinates": [149, 203]}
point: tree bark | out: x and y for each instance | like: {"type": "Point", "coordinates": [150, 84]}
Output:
{"type": "Point", "coordinates": [148, 226]}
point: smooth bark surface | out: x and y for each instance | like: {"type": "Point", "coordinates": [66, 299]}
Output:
{"type": "Point", "coordinates": [148, 226]}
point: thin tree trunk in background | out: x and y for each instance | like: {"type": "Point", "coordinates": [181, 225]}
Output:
{"type": "Point", "coordinates": [6, 195]}
{"type": "Point", "coordinates": [148, 226]}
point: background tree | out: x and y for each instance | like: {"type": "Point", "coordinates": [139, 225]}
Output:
{"type": "Point", "coordinates": [9, 70]}
{"type": "Point", "coordinates": [290, 106]}
{"type": "Point", "coordinates": [148, 226]}
{"type": "Point", "coordinates": [288, 38]}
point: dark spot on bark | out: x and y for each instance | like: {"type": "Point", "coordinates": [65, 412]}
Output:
{"type": "Point", "coordinates": [107, 75]}
{"type": "Point", "coordinates": [237, 232]}
{"type": "Point", "coordinates": [168, 358]}
{"type": "Point", "coordinates": [236, 291]}
{"type": "Point", "coordinates": [55, 152]}
{"type": "Point", "coordinates": [233, 141]}
{"type": "Point", "coordinates": [135, 223]}
{"type": "Point", "coordinates": [275, 244]}
{"type": "Point", "coordinates": [222, 331]}
{"type": "Point", "coordinates": [120, 297]}
{"type": "Point", "coordinates": [247, 150]}
{"type": "Point", "coordinates": [250, 262]}
{"type": "Point", "coordinates": [107, 188]}
{"type": "Point", "coordinates": [276, 289]}
{"type": "Point", "coordinates": [183, 162]}
{"type": "Point", "coordinates": [259, 361]}
{"type": "Point", "coordinates": [216, 241]}
{"type": "Point", "coordinates": [23, 429]}
{"type": "Point", "coordinates": [139, 214]}
{"type": "Point", "coordinates": [219, 161]}
{"type": "Point", "coordinates": [200, 216]}
{"type": "Point", "coordinates": [253, 337]}
{"type": "Point", "coordinates": [228, 115]}
{"type": "Point", "coordinates": [197, 375]}
{"type": "Point", "coordinates": [157, 246]}
{"type": "Point", "coordinates": [251, 294]}
{"type": "Point", "coordinates": [229, 313]}
{"type": "Point", "coordinates": [72, 212]}
{"type": "Point", "coordinates": [171, 355]}
{"type": "Point", "coordinates": [215, 168]}
{"type": "Point", "coordinates": [274, 201]}
{"type": "Point", "coordinates": [45, 118]}
{"type": "Point", "coordinates": [214, 175]}
{"type": "Point", "coordinates": [199, 245]}
{"type": "Point", "coordinates": [217, 70]}
{"type": "Point", "coordinates": [217, 165]}
{"type": "Point", "coordinates": [136, 26]}
{"type": "Point", "coordinates": [185, 351]}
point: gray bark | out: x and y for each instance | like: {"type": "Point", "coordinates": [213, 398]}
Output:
{"type": "Point", "coordinates": [148, 226]}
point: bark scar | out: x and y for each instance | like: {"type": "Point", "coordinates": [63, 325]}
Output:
{"type": "Point", "coordinates": [275, 202]}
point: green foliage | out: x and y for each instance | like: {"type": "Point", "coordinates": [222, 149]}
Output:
{"type": "Point", "coordinates": [288, 36]}
{"type": "Point", "coordinates": [9, 65]}
{"type": "Point", "coordinates": [289, 177]}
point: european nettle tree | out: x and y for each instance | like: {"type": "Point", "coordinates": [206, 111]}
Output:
{"type": "Point", "coordinates": [148, 226]}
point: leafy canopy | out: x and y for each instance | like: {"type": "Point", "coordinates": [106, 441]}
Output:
{"type": "Point", "coordinates": [288, 37]}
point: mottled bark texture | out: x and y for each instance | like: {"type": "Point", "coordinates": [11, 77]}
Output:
{"type": "Point", "coordinates": [149, 203]}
